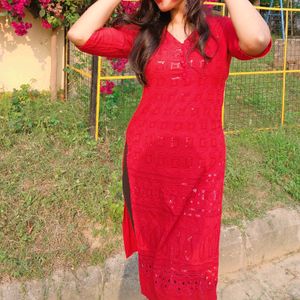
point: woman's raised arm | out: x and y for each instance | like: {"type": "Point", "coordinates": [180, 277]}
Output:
{"type": "Point", "coordinates": [92, 19]}
{"type": "Point", "coordinates": [252, 31]}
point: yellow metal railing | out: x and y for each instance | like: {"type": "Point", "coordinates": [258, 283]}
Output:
{"type": "Point", "coordinates": [284, 71]}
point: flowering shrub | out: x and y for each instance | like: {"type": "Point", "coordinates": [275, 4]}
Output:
{"type": "Point", "coordinates": [16, 10]}
{"type": "Point", "coordinates": [56, 13]}
{"type": "Point", "coordinates": [53, 13]}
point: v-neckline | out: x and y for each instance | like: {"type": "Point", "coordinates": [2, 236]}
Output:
{"type": "Point", "coordinates": [176, 40]}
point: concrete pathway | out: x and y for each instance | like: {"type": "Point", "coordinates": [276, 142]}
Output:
{"type": "Point", "coordinates": [275, 280]}
{"type": "Point", "coordinates": [260, 262]}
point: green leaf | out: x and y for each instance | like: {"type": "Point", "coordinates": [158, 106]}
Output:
{"type": "Point", "coordinates": [42, 13]}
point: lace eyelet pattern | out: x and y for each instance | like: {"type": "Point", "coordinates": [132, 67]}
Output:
{"type": "Point", "coordinates": [176, 281]}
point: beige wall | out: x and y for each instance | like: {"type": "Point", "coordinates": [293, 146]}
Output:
{"type": "Point", "coordinates": [26, 59]}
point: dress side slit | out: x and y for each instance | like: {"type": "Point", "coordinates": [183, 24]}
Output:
{"type": "Point", "coordinates": [126, 186]}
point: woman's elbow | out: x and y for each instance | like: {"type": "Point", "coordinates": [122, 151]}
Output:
{"type": "Point", "coordinates": [255, 47]}
{"type": "Point", "coordinates": [264, 39]}
{"type": "Point", "coordinates": [75, 37]}
{"type": "Point", "coordinates": [72, 36]}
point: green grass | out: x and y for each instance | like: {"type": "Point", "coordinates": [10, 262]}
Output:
{"type": "Point", "coordinates": [61, 200]}
{"type": "Point", "coordinates": [262, 172]}
{"type": "Point", "coordinates": [58, 189]}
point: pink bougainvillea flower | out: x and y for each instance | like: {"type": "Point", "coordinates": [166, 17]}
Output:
{"type": "Point", "coordinates": [16, 8]}
{"type": "Point", "coordinates": [130, 7]}
{"type": "Point", "coordinates": [4, 4]}
{"type": "Point", "coordinates": [46, 24]}
{"type": "Point", "coordinates": [19, 7]}
{"type": "Point", "coordinates": [21, 28]}
{"type": "Point", "coordinates": [209, 7]}
{"type": "Point", "coordinates": [119, 64]}
{"type": "Point", "coordinates": [108, 88]}
{"type": "Point", "coordinates": [44, 3]}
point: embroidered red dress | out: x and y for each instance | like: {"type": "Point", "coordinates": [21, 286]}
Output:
{"type": "Point", "coordinates": [174, 159]}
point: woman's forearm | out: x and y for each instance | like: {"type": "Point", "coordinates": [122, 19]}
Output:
{"type": "Point", "coordinates": [92, 19]}
{"type": "Point", "coordinates": [252, 30]}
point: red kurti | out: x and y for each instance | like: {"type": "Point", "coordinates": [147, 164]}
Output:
{"type": "Point", "coordinates": [174, 160]}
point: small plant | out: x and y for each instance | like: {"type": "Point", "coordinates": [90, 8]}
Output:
{"type": "Point", "coordinates": [21, 117]}
{"type": "Point", "coordinates": [18, 119]}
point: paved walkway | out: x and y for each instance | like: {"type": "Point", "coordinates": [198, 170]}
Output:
{"type": "Point", "coordinates": [276, 280]}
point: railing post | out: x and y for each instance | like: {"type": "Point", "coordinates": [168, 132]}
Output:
{"type": "Point", "coordinates": [284, 68]}
{"type": "Point", "coordinates": [93, 96]}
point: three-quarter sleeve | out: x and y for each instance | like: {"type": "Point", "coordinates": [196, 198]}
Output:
{"type": "Point", "coordinates": [233, 41]}
{"type": "Point", "coordinates": [111, 42]}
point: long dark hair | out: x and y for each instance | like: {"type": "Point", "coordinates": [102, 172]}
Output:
{"type": "Point", "coordinates": [151, 21]}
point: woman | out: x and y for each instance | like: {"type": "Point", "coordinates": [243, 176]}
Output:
{"type": "Point", "coordinates": [174, 155]}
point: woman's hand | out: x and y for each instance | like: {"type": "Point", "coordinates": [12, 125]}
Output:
{"type": "Point", "coordinates": [92, 19]}
{"type": "Point", "coordinates": [252, 30]}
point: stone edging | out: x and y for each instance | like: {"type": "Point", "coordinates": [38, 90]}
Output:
{"type": "Point", "coordinates": [275, 235]}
